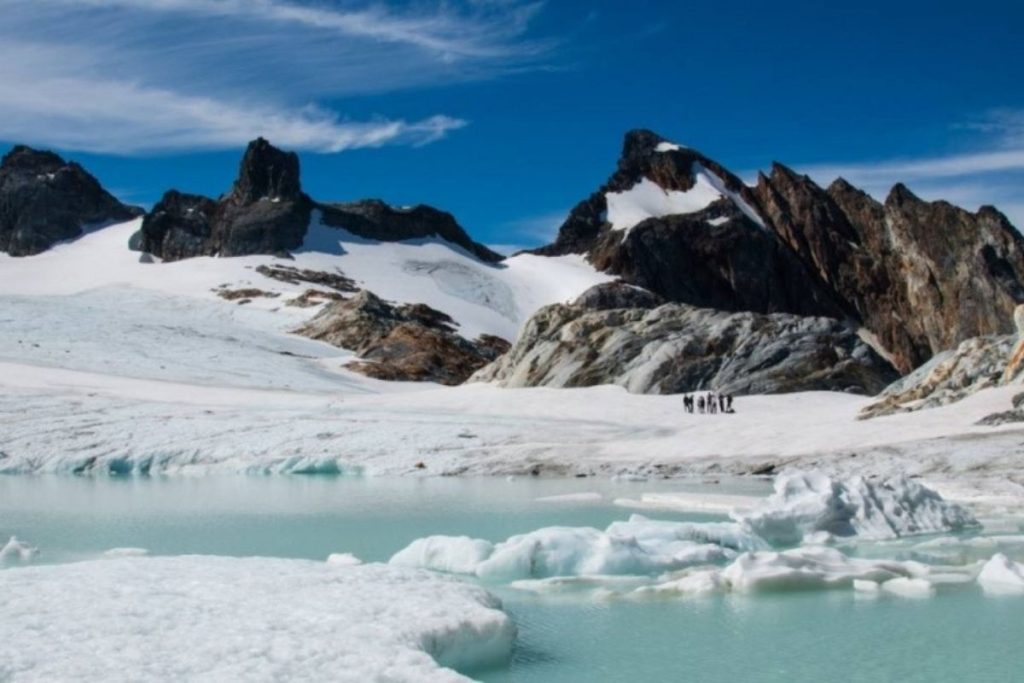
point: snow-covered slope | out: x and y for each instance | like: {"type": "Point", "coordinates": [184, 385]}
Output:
{"type": "Point", "coordinates": [482, 298]}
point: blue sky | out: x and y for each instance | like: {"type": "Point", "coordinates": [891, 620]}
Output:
{"type": "Point", "coordinates": [507, 112]}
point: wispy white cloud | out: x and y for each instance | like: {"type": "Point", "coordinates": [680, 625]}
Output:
{"type": "Point", "coordinates": [130, 76]}
{"type": "Point", "coordinates": [993, 173]}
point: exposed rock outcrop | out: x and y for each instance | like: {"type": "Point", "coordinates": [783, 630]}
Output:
{"type": "Point", "coordinates": [675, 348]}
{"type": "Point", "coordinates": [45, 200]}
{"type": "Point", "coordinates": [921, 276]}
{"type": "Point", "coordinates": [411, 342]}
{"type": "Point", "coordinates": [266, 212]}
{"type": "Point", "coordinates": [976, 364]}
{"type": "Point", "coordinates": [373, 219]}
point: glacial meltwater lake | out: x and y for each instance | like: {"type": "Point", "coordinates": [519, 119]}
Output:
{"type": "Point", "coordinates": [811, 635]}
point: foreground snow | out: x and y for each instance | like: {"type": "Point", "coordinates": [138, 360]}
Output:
{"type": "Point", "coordinates": [253, 619]}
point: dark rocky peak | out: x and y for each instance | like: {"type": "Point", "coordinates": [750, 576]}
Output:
{"type": "Point", "coordinates": [267, 173]}
{"type": "Point", "coordinates": [27, 160]}
{"type": "Point", "coordinates": [377, 220]}
{"type": "Point", "coordinates": [45, 199]}
{"type": "Point", "coordinates": [672, 167]}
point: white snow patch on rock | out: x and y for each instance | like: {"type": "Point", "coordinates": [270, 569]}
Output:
{"type": "Point", "coordinates": [252, 619]}
{"type": "Point", "coordinates": [805, 503]}
{"type": "Point", "coordinates": [647, 199]}
{"type": "Point", "coordinates": [667, 147]}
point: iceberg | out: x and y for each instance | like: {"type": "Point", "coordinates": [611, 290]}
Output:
{"type": "Point", "coordinates": [807, 503]}
{"type": "Point", "coordinates": [637, 547]}
{"type": "Point", "coordinates": [1002, 576]}
{"type": "Point", "coordinates": [253, 619]}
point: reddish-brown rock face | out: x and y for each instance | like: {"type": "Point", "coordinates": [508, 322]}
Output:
{"type": "Point", "coordinates": [920, 276]}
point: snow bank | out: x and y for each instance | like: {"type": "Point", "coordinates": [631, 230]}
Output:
{"type": "Point", "coordinates": [16, 551]}
{"type": "Point", "coordinates": [805, 503]}
{"type": "Point", "coordinates": [253, 619]}
{"type": "Point", "coordinates": [1001, 575]}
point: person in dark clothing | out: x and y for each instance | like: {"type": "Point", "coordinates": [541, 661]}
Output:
{"type": "Point", "coordinates": [712, 404]}
{"type": "Point", "coordinates": [721, 403]}
{"type": "Point", "coordinates": [728, 402]}
{"type": "Point", "coordinates": [700, 405]}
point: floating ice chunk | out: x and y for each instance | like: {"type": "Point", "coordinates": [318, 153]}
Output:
{"type": "Point", "coordinates": [808, 567]}
{"type": "Point", "coordinates": [700, 582]}
{"type": "Point", "coordinates": [805, 503]}
{"type": "Point", "coordinates": [1001, 576]}
{"type": "Point", "coordinates": [654, 533]}
{"type": "Point", "coordinates": [252, 619]}
{"type": "Point", "coordinates": [16, 551]}
{"type": "Point", "coordinates": [568, 551]}
{"type": "Point", "coordinates": [126, 552]}
{"type": "Point", "coordinates": [584, 497]}
{"type": "Point", "coordinates": [909, 588]}
{"type": "Point", "coordinates": [343, 560]}
{"type": "Point", "coordinates": [453, 554]}
{"type": "Point", "coordinates": [866, 586]}
{"type": "Point", "coordinates": [563, 584]}
{"type": "Point", "coordinates": [691, 502]}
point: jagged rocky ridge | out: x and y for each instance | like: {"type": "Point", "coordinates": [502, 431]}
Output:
{"type": "Point", "coordinates": [411, 342]}
{"type": "Point", "coordinates": [921, 276]}
{"type": "Point", "coordinates": [45, 200]}
{"type": "Point", "coordinates": [624, 335]}
{"type": "Point", "coordinates": [266, 212]}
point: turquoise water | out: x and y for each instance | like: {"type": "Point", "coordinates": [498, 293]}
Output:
{"type": "Point", "coordinates": [806, 636]}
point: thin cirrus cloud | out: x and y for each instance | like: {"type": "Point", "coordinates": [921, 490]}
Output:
{"type": "Point", "coordinates": [140, 76]}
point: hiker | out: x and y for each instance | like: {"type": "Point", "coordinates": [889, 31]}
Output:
{"type": "Point", "coordinates": [721, 403]}
{"type": "Point", "coordinates": [686, 403]}
{"type": "Point", "coordinates": [700, 405]}
{"type": "Point", "coordinates": [728, 402]}
{"type": "Point", "coordinates": [712, 405]}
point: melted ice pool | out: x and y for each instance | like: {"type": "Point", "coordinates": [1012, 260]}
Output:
{"type": "Point", "coordinates": [565, 635]}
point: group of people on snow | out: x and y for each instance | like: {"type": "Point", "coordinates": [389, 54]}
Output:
{"type": "Point", "coordinates": [709, 403]}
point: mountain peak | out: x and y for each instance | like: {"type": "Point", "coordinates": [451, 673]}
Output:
{"type": "Point", "coordinates": [22, 157]}
{"type": "Point", "coordinates": [267, 172]}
